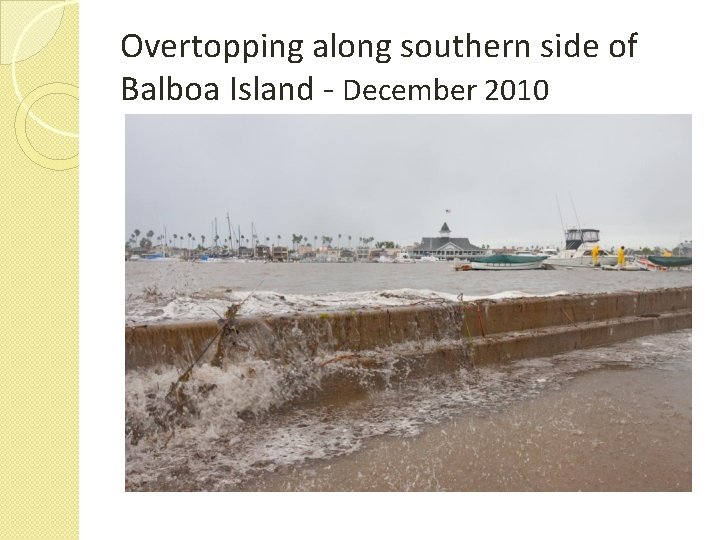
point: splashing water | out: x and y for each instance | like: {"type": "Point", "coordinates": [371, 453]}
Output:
{"type": "Point", "coordinates": [252, 418]}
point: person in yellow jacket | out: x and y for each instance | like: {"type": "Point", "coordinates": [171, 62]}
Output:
{"type": "Point", "coordinates": [595, 254]}
{"type": "Point", "coordinates": [621, 256]}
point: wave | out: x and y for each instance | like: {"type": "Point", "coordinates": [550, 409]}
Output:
{"type": "Point", "coordinates": [245, 418]}
{"type": "Point", "coordinates": [156, 307]}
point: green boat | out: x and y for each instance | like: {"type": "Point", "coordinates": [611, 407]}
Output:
{"type": "Point", "coordinates": [508, 262]}
{"type": "Point", "coordinates": [671, 262]}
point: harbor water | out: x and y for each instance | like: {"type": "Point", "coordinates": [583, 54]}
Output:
{"type": "Point", "coordinates": [615, 418]}
{"type": "Point", "coordinates": [177, 290]}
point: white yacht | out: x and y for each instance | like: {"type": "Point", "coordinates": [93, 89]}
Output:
{"type": "Point", "coordinates": [578, 251]}
{"type": "Point", "coordinates": [403, 257]}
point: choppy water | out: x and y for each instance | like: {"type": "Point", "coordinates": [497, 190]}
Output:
{"type": "Point", "coordinates": [246, 427]}
{"type": "Point", "coordinates": [243, 428]}
{"type": "Point", "coordinates": [166, 291]}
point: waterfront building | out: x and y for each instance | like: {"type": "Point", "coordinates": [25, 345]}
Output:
{"type": "Point", "coordinates": [362, 253]}
{"type": "Point", "coordinates": [280, 253]}
{"type": "Point", "coordinates": [445, 246]}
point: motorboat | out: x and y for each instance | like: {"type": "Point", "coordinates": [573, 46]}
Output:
{"type": "Point", "coordinates": [578, 251]}
{"type": "Point", "coordinates": [403, 257]}
{"type": "Point", "coordinates": [508, 262]}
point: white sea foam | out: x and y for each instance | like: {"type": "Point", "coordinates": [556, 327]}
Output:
{"type": "Point", "coordinates": [153, 307]}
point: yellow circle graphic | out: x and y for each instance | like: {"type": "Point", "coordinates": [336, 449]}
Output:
{"type": "Point", "coordinates": [16, 52]}
{"type": "Point", "coordinates": [14, 17]}
{"type": "Point", "coordinates": [21, 126]}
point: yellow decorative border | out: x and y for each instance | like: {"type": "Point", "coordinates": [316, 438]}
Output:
{"type": "Point", "coordinates": [39, 220]}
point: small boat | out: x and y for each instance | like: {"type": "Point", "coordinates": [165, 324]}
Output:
{"type": "Point", "coordinates": [508, 262]}
{"type": "Point", "coordinates": [632, 266]}
{"type": "Point", "coordinates": [578, 251]}
{"type": "Point", "coordinates": [403, 257]}
{"type": "Point", "coordinates": [670, 262]}
{"type": "Point", "coordinates": [429, 258]}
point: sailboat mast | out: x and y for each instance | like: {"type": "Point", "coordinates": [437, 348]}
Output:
{"type": "Point", "coordinates": [577, 219]}
{"type": "Point", "coordinates": [230, 231]}
{"type": "Point", "coordinates": [253, 234]}
{"type": "Point", "coordinates": [562, 223]}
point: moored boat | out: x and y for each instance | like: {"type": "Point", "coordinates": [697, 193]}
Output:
{"type": "Point", "coordinates": [578, 251]}
{"type": "Point", "coordinates": [670, 262]}
{"type": "Point", "coordinates": [632, 266]}
{"type": "Point", "coordinates": [403, 257]}
{"type": "Point", "coordinates": [508, 262]}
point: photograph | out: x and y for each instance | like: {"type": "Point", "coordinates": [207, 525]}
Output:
{"type": "Point", "coordinates": [393, 303]}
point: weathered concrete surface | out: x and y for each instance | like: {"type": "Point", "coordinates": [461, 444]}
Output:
{"type": "Point", "coordinates": [450, 334]}
{"type": "Point", "coordinates": [146, 346]}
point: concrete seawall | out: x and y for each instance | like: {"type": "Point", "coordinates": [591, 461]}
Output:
{"type": "Point", "coordinates": [432, 337]}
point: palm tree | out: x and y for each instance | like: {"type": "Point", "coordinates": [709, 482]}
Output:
{"type": "Point", "coordinates": [174, 238]}
{"type": "Point", "coordinates": [349, 241]}
{"type": "Point", "coordinates": [148, 237]}
{"type": "Point", "coordinates": [202, 239]}
{"type": "Point", "coordinates": [339, 237]}
{"type": "Point", "coordinates": [315, 246]}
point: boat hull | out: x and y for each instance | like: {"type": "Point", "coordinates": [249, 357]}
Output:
{"type": "Point", "coordinates": [670, 262]}
{"type": "Point", "coordinates": [508, 262]}
{"type": "Point", "coordinates": [628, 267]}
{"type": "Point", "coordinates": [533, 265]}
{"type": "Point", "coordinates": [583, 261]}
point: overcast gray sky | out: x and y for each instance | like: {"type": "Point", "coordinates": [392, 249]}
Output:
{"type": "Point", "coordinates": [394, 176]}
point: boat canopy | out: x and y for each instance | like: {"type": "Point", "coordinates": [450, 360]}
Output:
{"type": "Point", "coordinates": [670, 261]}
{"type": "Point", "coordinates": [508, 259]}
{"type": "Point", "coordinates": [574, 238]}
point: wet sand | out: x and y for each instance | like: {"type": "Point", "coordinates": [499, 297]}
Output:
{"type": "Point", "coordinates": [606, 430]}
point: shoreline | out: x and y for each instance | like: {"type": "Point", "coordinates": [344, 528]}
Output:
{"type": "Point", "coordinates": [606, 430]}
